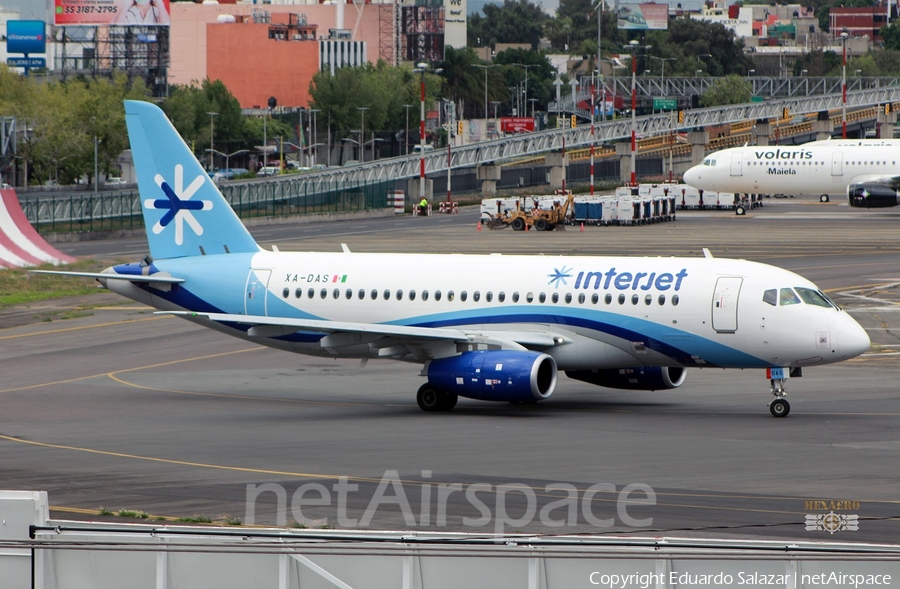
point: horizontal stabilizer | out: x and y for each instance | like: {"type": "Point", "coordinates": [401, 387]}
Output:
{"type": "Point", "coordinates": [110, 276]}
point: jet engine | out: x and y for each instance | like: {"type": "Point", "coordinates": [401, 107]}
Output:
{"type": "Point", "coordinates": [643, 378]}
{"type": "Point", "coordinates": [496, 375]}
{"type": "Point", "coordinates": [874, 195]}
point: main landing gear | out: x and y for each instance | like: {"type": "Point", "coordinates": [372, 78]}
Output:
{"type": "Point", "coordinates": [431, 399]}
{"type": "Point", "coordinates": [779, 405]}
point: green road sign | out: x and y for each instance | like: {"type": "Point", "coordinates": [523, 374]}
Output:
{"type": "Point", "coordinates": [665, 104]}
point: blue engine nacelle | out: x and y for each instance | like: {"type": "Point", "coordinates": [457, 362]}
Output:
{"type": "Point", "coordinates": [496, 375]}
{"type": "Point", "coordinates": [643, 378]}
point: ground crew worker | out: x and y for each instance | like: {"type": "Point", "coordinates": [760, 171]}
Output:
{"type": "Point", "coordinates": [423, 206]}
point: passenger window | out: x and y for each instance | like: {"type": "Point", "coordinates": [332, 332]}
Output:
{"type": "Point", "coordinates": [813, 297]}
{"type": "Point", "coordinates": [581, 298]}
{"type": "Point", "coordinates": [463, 296]}
{"type": "Point", "coordinates": [424, 295]}
{"type": "Point", "coordinates": [542, 297]}
{"type": "Point", "coordinates": [621, 299]}
{"type": "Point", "coordinates": [662, 299]}
{"type": "Point", "coordinates": [515, 297]}
{"type": "Point", "coordinates": [412, 295]}
{"type": "Point", "coordinates": [349, 294]}
{"type": "Point", "coordinates": [476, 296]}
{"type": "Point", "coordinates": [286, 292]}
{"type": "Point", "coordinates": [399, 295]}
{"type": "Point", "coordinates": [489, 296]}
{"type": "Point", "coordinates": [323, 293]}
{"type": "Point", "coordinates": [374, 294]}
{"type": "Point", "coordinates": [607, 299]}
{"type": "Point", "coordinates": [361, 294]}
{"type": "Point", "coordinates": [298, 293]}
{"type": "Point", "coordinates": [387, 295]}
{"type": "Point", "coordinates": [437, 295]}
{"type": "Point", "coordinates": [529, 298]}
{"type": "Point", "coordinates": [789, 297]}
{"type": "Point", "coordinates": [675, 300]}
{"type": "Point", "coordinates": [311, 293]}
{"type": "Point", "coordinates": [771, 297]}
{"type": "Point", "coordinates": [648, 299]}
{"type": "Point", "coordinates": [450, 295]}
{"type": "Point", "coordinates": [595, 298]}
{"type": "Point", "coordinates": [501, 296]}
{"type": "Point", "coordinates": [555, 297]}
{"type": "Point", "coordinates": [568, 298]}
{"type": "Point", "coordinates": [336, 293]}
{"type": "Point", "coordinates": [635, 299]}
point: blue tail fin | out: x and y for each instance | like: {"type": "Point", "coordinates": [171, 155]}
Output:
{"type": "Point", "coordinates": [184, 212]}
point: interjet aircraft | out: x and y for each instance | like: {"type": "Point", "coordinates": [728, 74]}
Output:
{"type": "Point", "coordinates": [487, 327]}
{"type": "Point", "coordinates": [867, 170]}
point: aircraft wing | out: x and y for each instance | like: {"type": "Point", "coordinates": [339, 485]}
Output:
{"type": "Point", "coordinates": [275, 326]}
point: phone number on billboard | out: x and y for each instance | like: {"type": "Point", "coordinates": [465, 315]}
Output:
{"type": "Point", "coordinates": [90, 9]}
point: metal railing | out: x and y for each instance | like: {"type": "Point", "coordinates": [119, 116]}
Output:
{"type": "Point", "coordinates": [122, 210]}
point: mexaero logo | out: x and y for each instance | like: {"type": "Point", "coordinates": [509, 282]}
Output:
{"type": "Point", "coordinates": [178, 204]}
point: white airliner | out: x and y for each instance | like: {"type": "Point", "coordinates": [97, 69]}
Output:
{"type": "Point", "coordinates": [488, 327]}
{"type": "Point", "coordinates": [868, 170]}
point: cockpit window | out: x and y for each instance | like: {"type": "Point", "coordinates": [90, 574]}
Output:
{"type": "Point", "coordinates": [771, 297]}
{"type": "Point", "coordinates": [789, 297]}
{"type": "Point", "coordinates": [709, 162]}
{"type": "Point", "coordinates": [813, 297]}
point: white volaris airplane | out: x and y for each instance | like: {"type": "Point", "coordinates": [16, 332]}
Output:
{"type": "Point", "coordinates": [489, 327]}
{"type": "Point", "coordinates": [867, 170]}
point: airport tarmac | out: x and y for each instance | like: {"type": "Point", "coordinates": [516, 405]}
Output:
{"type": "Point", "coordinates": [123, 409]}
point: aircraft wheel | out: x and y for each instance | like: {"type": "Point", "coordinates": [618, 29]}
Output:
{"type": "Point", "coordinates": [780, 407]}
{"type": "Point", "coordinates": [824, 198]}
{"type": "Point", "coordinates": [518, 224]}
{"type": "Point", "coordinates": [448, 401]}
{"type": "Point", "coordinates": [740, 210]}
{"type": "Point", "coordinates": [541, 224]}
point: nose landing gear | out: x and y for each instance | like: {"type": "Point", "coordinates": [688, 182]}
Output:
{"type": "Point", "coordinates": [779, 407]}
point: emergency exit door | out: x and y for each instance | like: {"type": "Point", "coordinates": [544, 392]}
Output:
{"type": "Point", "coordinates": [725, 304]}
{"type": "Point", "coordinates": [737, 160]}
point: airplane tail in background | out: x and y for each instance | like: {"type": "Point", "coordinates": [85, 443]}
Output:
{"type": "Point", "coordinates": [184, 211]}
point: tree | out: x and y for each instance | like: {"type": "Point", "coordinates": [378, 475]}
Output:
{"type": "Point", "coordinates": [540, 74]}
{"type": "Point", "coordinates": [701, 45]}
{"type": "Point", "coordinates": [188, 108]}
{"type": "Point", "coordinates": [891, 36]}
{"type": "Point", "coordinates": [731, 89]}
{"type": "Point", "coordinates": [515, 21]}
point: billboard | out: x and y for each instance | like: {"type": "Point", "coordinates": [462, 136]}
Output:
{"type": "Point", "coordinates": [643, 16]}
{"type": "Point", "coordinates": [516, 124]}
{"type": "Point", "coordinates": [111, 12]}
{"type": "Point", "coordinates": [26, 36]}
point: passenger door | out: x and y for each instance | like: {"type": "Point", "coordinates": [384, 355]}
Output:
{"type": "Point", "coordinates": [257, 287]}
{"type": "Point", "coordinates": [725, 304]}
{"type": "Point", "coordinates": [837, 163]}
{"type": "Point", "coordinates": [737, 160]}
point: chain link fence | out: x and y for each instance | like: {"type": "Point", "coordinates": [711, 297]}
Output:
{"type": "Point", "coordinates": [122, 210]}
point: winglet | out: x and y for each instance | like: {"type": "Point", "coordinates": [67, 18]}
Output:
{"type": "Point", "coordinates": [707, 253]}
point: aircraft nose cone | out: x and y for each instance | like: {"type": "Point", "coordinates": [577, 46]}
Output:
{"type": "Point", "coordinates": [692, 176]}
{"type": "Point", "coordinates": [853, 339]}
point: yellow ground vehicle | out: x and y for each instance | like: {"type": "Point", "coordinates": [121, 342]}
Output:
{"type": "Point", "coordinates": [538, 218]}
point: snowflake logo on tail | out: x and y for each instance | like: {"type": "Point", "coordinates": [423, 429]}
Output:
{"type": "Point", "coordinates": [178, 204]}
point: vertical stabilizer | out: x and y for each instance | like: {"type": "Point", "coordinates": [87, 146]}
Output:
{"type": "Point", "coordinates": [184, 211]}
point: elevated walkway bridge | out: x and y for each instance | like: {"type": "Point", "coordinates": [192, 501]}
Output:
{"type": "Point", "coordinates": [523, 146]}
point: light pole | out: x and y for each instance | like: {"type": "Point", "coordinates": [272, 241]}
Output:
{"type": "Point", "coordinates": [485, 68]}
{"type": "Point", "coordinates": [526, 66]}
{"type": "Point", "coordinates": [421, 67]}
{"type": "Point", "coordinates": [496, 103]}
{"type": "Point", "coordinates": [228, 156]}
{"type": "Point", "coordinates": [633, 44]}
{"type": "Point", "coordinates": [406, 135]}
{"type": "Point", "coordinates": [212, 115]}
{"type": "Point", "coordinates": [844, 36]}
{"type": "Point", "coordinates": [315, 134]}
{"type": "Point", "coordinates": [362, 132]}
{"type": "Point", "coordinates": [662, 75]}
{"type": "Point", "coordinates": [266, 140]}
{"type": "Point", "coordinates": [96, 166]}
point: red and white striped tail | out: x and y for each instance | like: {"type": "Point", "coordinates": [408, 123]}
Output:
{"type": "Point", "coordinates": [20, 244]}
